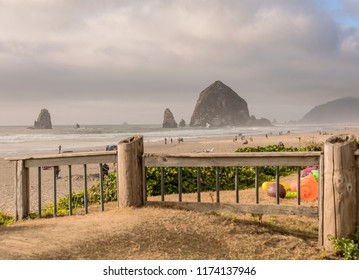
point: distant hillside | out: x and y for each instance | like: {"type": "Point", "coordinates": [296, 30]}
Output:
{"type": "Point", "coordinates": [343, 110]}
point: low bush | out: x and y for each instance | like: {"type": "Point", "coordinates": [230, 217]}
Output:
{"type": "Point", "coordinates": [78, 199]}
{"type": "Point", "coordinates": [6, 219]}
{"type": "Point", "coordinates": [347, 248]}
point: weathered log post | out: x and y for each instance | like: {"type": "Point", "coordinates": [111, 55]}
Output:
{"type": "Point", "coordinates": [130, 184]}
{"type": "Point", "coordinates": [22, 190]}
{"type": "Point", "coordinates": [340, 188]}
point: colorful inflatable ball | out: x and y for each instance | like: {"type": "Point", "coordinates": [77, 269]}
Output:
{"type": "Point", "coordinates": [308, 187]}
{"type": "Point", "coordinates": [272, 190]}
{"type": "Point", "coordinates": [266, 184]}
{"type": "Point", "coordinates": [308, 170]}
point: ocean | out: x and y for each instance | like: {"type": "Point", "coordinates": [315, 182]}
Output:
{"type": "Point", "coordinates": [20, 140]}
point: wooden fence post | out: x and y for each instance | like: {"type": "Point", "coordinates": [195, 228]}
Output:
{"type": "Point", "coordinates": [22, 200]}
{"type": "Point", "coordinates": [340, 188]}
{"type": "Point", "coordinates": [130, 184]}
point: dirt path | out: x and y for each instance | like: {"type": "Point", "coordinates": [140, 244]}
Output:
{"type": "Point", "coordinates": [153, 233]}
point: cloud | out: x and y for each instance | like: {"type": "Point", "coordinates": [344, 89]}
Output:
{"type": "Point", "coordinates": [164, 53]}
{"type": "Point", "coordinates": [351, 7]}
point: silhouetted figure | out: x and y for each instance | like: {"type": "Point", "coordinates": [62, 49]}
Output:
{"type": "Point", "coordinates": [105, 169]}
{"type": "Point", "coordinates": [57, 172]}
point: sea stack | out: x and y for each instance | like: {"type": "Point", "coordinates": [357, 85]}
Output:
{"type": "Point", "coordinates": [182, 123]}
{"type": "Point", "coordinates": [218, 105]}
{"type": "Point", "coordinates": [43, 121]}
{"type": "Point", "coordinates": [169, 120]}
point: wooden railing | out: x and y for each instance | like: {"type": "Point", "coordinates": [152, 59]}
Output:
{"type": "Point", "coordinates": [22, 177]}
{"type": "Point", "coordinates": [296, 159]}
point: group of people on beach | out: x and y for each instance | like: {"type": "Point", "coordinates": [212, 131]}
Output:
{"type": "Point", "coordinates": [179, 140]}
{"type": "Point", "coordinates": [242, 137]}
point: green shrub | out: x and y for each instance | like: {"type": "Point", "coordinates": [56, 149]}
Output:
{"type": "Point", "coordinates": [78, 199]}
{"type": "Point", "coordinates": [348, 248]}
{"type": "Point", "coordinates": [6, 219]}
{"type": "Point", "coordinates": [278, 148]}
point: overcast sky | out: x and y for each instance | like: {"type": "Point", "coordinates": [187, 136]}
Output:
{"type": "Point", "coordinates": [113, 61]}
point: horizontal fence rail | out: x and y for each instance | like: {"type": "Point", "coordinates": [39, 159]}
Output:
{"type": "Point", "coordinates": [216, 160]}
{"type": "Point", "coordinates": [67, 159]}
{"type": "Point", "coordinates": [233, 159]}
{"type": "Point", "coordinates": [310, 211]}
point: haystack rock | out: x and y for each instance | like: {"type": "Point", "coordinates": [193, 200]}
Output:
{"type": "Point", "coordinates": [182, 123]}
{"type": "Point", "coordinates": [43, 120]}
{"type": "Point", "coordinates": [169, 120]}
{"type": "Point", "coordinates": [218, 105]}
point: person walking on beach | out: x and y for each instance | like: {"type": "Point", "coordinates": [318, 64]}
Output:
{"type": "Point", "coordinates": [60, 149]}
{"type": "Point", "coordinates": [165, 141]}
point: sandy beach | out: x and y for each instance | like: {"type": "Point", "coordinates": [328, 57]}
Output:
{"type": "Point", "coordinates": [217, 145]}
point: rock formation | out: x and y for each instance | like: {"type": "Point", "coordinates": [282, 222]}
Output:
{"type": "Point", "coordinates": [43, 121]}
{"type": "Point", "coordinates": [218, 105]}
{"type": "Point", "coordinates": [343, 110]}
{"type": "Point", "coordinates": [182, 123]}
{"type": "Point", "coordinates": [169, 120]}
{"type": "Point", "coordinates": [258, 122]}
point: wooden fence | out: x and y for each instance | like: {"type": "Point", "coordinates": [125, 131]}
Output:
{"type": "Point", "coordinates": [338, 201]}
{"type": "Point", "coordinates": [235, 160]}
{"type": "Point", "coordinates": [22, 176]}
